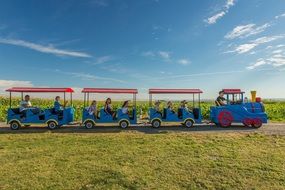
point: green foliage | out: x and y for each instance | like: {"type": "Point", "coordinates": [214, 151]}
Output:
{"type": "Point", "coordinates": [274, 109]}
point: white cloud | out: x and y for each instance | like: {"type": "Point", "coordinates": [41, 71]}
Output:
{"type": "Point", "coordinates": [103, 59]}
{"type": "Point", "coordinates": [213, 19]}
{"type": "Point", "coordinates": [276, 60]}
{"type": "Point", "coordinates": [15, 83]}
{"type": "Point", "coordinates": [91, 77]}
{"type": "Point", "coordinates": [259, 63]}
{"type": "Point", "coordinates": [148, 54]}
{"type": "Point", "coordinates": [246, 30]}
{"type": "Point", "coordinates": [277, 51]}
{"type": "Point", "coordinates": [5, 84]}
{"type": "Point", "coordinates": [164, 54]}
{"type": "Point", "coordinates": [225, 9]}
{"type": "Point", "coordinates": [44, 49]}
{"type": "Point", "coordinates": [244, 48]}
{"type": "Point", "coordinates": [184, 61]}
{"type": "Point", "coordinates": [279, 16]}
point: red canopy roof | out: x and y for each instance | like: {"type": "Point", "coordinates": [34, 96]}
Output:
{"type": "Point", "coordinates": [232, 91]}
{"type": "Point", "coordinates": [111, 90]}
{"type": "Point", "coordinates": [29, 89]}
{"type": "Point", "coordinates": [175, 91]}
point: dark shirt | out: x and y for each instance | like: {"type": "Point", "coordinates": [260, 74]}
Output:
{"type": "Point", "coordinates": [221, 100]}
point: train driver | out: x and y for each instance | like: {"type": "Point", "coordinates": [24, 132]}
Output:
{"type": "Point", "coordinates": [221, 101]}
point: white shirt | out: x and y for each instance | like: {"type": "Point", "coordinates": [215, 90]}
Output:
{"type": "Point", "coordinates": [25, 105]}
{"type": "Point", "coordinates": [124, 110]}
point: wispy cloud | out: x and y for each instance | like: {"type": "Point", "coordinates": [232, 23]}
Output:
{"type": "Point", "coordinates": [4, 84]}
{"type": "Point", "coordinates": [276, 59]}
{"type": "Point", "coordinates": [244, 48]}
{"type": "Point", "coordinates": [279, 16]}
{"type": "Point", "coordinates": [183, 61]}
{"type": "Point", "coordinates": [103, 59]}
{"type": "Point", "coordinates": [242, 31]}
{"type": "Point", "coordinates": [148, 54]}
{"type": "Point", "coordinates": [224, 10]}
{"type": "Point", "coordinates": [44, 49]}
{"type": "Point", "coordinates": [13, 83]}
{"type": "Point", "coordinates": [91, 77]}
{"type": "Point", "coordinates": [164, 54]}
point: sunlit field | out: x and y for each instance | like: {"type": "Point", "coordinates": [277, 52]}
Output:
{"type": "Point", "coordinates": [132, 160]}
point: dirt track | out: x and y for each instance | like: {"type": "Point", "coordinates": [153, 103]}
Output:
{"type": "Point", "coordinates": [272, 128]}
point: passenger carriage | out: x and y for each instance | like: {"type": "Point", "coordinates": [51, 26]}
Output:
{"type": "Point", "coordinates": [42, 117]}
{"type": "Point", "coordinates": [123, 120]}
{"type": "Point", "coordinates": [237, 110]}
{"type": "Point", "coordinates": [186, 117]}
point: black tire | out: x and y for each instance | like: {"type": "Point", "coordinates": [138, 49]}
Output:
{"type": "Point", "coordinates": [51, 125]}
{"type": "Point", "coordinates": [156, 123]}
{"type": "Point", "coordinates": [15, 125]}
{"type": "Point", "coordinates": [89, 124]}
{"type": "Point", "coordinates": [188, 123]}
{"type": "Point", "coordinates": [124, 124]}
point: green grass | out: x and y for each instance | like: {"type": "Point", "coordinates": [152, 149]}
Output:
{"type": "Point", "coordinates": [132, 160]}
{"type": "Point", "coordinates": [274, 109]}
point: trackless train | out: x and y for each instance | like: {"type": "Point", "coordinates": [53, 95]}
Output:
{"type": "Point", "coordinates": [234, 109]}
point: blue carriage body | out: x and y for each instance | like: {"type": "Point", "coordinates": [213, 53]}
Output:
{"type": "Point", "coordinates": [123, 120]}
{"type": "Point", "coordinates": [37, 116]}
{"type": "Point", "coordinates": [240, 112]}
{"type": "Point", "coordinates": [104, 117]}
{"type": "Point", "coordinates": [248, 113]}
{"type": "Point", "coordinates": [43, 117]}
{"type": "Point", "coordinates": [181, 116]}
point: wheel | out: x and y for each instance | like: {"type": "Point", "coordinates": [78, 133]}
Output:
{"type": "Point", "coordinates": [225, 118]}
{"type": "Point", "coordinates": [247, 122]}
{"type": "Point", "coordinates": [188, 123]}
{"type": "Point", "coordinates": [51, 125]}
{"type": "Point", "coordinates": [15, 125]}
{"type": "Point", "coordinates": [155, 123]}
{"type": "Point", "coordinates": [89, 124]}
{"type": "Point", "coordinates": [256, 123]}
{"type": "Point", "coordinates": [124, 124]}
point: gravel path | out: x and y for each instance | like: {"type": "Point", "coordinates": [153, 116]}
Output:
{"type": "Point", "coordinates": [271, 128]}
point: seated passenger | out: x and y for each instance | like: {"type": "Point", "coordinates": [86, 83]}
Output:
{"type": "Point", "coordinates": [183, 105]}
{"type": "Point", "coordinates": [156, 107]}
{"type": "Point", "coordinates": [221, 101]}
{"type": "Point", "coordinates": [58, 108]}
{"type": "Point", "coordinates": [125, 107]}
{"type": "Point", "coordinates": [92, 110]}
{"type": "Point", "coordinates": [170, 106]}
{"type": "Point", "coordinates": [108, 108]}
{"type": "Point", "coordinates": [25, 105]}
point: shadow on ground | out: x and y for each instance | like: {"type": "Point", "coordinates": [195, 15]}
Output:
{"type": "Point", "coordinates": [139, 129]}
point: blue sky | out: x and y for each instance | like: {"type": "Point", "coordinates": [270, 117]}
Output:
{"type": "Point", "coordinates": [144, 44]}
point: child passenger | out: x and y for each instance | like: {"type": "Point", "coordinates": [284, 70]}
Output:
{"type": "Point", "coordinates": [57, 106]}
{"type": "Point", "coordinates": [92, 110]}
{"type": "Point", "coordinates": [170, 106]}
{"type": "Point", "coordinates": [156, 107]}
{"type": "Point", "coordinates": [184, 105]}
{"type": "Point", "coordinates": [108, 108]}
{"type": "Point", "coordinates": [125, 107]}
